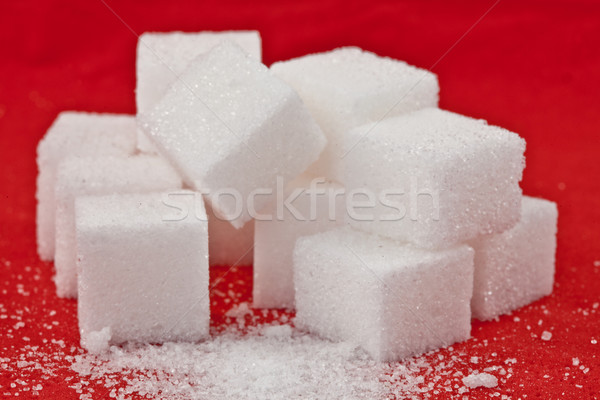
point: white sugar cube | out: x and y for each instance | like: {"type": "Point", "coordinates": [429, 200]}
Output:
{"type": "Point", "coordinates": [228, 246]}
{"type": "Point", "coordinates": [143, 277]}
{"type": "Point", "coordinates": [77, 176]}
{"type": "Point", "coordinates": [392, 300]}
{"type": "Point", "coordinates": [315, 205]}
{"type": "Point", "coordinates": [349, 87]}
{"type": "Point", "coordinates": [516, 267]}
{"type": "Point", "coordinates": [434, 178]}
{"type": "Point", "coordinates": [229, 125]}
{"type": "Point", "coordinates": [162, 57]}
{"type": "Point", "coordinates": [75, 133]}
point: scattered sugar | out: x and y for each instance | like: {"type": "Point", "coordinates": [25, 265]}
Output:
{"type": "Point", "coordinates": [240, 367]}
{"type": "Point", "coordinates": [546, 335]}
{"type": "Point", "coordinates": [269, 361]}
{"type": "Point", "coordinates": [278, 331]}
{"type": "Point", "coordinates": [239, 313]}
{"type": "Point", "coordinates": [575, 361]}
{"type": "Point", "coordinates": [476, 380]}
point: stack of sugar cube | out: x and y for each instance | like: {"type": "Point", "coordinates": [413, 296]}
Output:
{"type": "Point", "coordinates": [382, 219]}
{"type": "Point", "coordinates": [437, 229]}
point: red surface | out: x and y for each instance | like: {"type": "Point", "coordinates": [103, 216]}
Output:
{"type": "Point", "coordinates": [532, 67]}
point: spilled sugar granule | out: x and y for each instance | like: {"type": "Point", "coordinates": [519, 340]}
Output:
{"type": "Point", "coordinates": [97, 342]}
{"type": "Point", "coordinates": [272, 361]}
{"type": "Point", "coordinates": [480, 380]}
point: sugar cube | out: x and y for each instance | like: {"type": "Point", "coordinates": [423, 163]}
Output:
{"type": "Point", "coordinates": [77, 176]}
{"type": "Point", "coordinates": [143, 276]}
{"type": "Point", "coordinates": [516, 267]}
{"type": "Point", "coordinates": [315, 205]}
{"type": "Point", "coordinates": [228, 246]}
{"type": "Point", "coordinates": [229, 125]}
{"type": "Point", "coordinates": [75, 133]}
{"type": "Point", "coordinates": [434, 178]}
{"type": "Point", "coordinates": [393, 301]}
{"type": "Point", "coordinates": [349, 87]}
{"type": "Point", "coordinates": [162, 57]}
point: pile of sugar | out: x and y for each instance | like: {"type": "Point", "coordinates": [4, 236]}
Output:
{"type": "Point", "coordinates": [273, 361]}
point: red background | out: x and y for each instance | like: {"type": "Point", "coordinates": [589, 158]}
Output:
{"type": "Point", "coordinates": [532, 67]}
